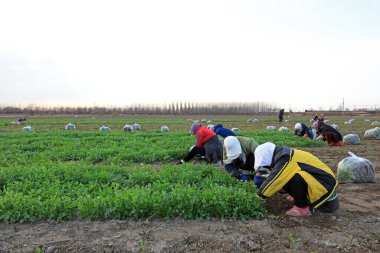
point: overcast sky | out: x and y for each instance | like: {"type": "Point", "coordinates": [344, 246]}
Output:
{"type": "Point", "coordinates": [298, 53]}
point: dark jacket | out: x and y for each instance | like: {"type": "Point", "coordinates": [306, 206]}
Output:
{"type": "Point", "coordinates": [303, 131]}
{"type": "Point", "coordinates": [287, 162]}
{"type": "Point", "coordinates": [224, 132]}
{"type": "Point", "coordinates": [323, 129]}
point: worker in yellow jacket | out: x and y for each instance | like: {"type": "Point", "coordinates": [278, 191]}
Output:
{"type": "Point", "coordinates": [309, 182]}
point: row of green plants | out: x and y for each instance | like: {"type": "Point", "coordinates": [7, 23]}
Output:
{"type": "Point", "coordinates": [116, 148]}
{"type": "Point", "coordinates": [67, 175]}
{"type": "Point", "coordinates": [59, 191]}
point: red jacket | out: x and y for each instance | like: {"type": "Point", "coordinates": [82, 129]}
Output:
{"type": "Point", "coordinates": [203, 135]}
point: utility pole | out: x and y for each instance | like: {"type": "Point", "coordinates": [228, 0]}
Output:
{"type": "Point", "coordinates": [343, 105]}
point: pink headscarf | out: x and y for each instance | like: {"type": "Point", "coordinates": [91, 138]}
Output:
{"type": "Point", "coordinates": [315, 125]}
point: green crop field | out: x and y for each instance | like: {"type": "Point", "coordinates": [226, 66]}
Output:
{"type": "Point", "coordinates": [54, 174]}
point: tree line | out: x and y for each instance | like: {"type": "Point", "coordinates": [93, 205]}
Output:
{"type": "Point", "coordinates": [167, 108]}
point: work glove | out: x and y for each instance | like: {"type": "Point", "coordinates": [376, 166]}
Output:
{"type": "Point", "coordinates": [258, 181]}
{"type": "Point", "coordinates": [244, 177]}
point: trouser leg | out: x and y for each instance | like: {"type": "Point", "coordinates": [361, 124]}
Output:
{"type": "Point", "coordinates": [330, 205]}
{"type": "Point", "coordinates": [297, 188]}
{"type": "Point", "coordinates": [328, 137]}
{"type": "Point", "coordinates": [193, 152]}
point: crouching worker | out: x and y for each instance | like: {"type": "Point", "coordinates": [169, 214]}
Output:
{"type": "Point", "coordinates": [207, 145]}
{"type": "Point", "coordinates": [308, 181]}
{"type": "Point", "coordinates": [329, 134]}
{"type": "Point", "coordinates": [301, 130]}
{"type": "Point", "coordinates": [238, 155]}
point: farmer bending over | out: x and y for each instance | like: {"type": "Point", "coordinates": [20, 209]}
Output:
{"type": "Point", "coordinates": [309, 182]}
{"type": "Point", "coordinates": [329, 134]}
{"type": "Point", "coordinates": [222, 131]}
{"type": "Point", "coordinates": [301, 130]}
{"type": "Point", "coordinates": [238, 154]}
{"type": "Point", "coordinates": [207, 145]}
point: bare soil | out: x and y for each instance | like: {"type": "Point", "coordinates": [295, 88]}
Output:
{"type": "Point", "coordinates": [355, 227]}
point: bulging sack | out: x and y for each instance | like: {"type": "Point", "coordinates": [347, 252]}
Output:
{"type": "Point", "coordinates": [373, 133]}
{"type": "Point", "coordinates": [355, 169]}
{"type": "Point", "coordinates": [351, 139]}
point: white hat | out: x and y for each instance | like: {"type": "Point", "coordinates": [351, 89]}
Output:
{"type": "Point", "coordinates": [233, 147]}
{"type": "Point", "coordinates": [264, 154]}
{"type": "Point", "coordinates": [298, 126]}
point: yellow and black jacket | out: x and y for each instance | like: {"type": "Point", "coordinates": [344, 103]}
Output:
{"type": "Point", "coordinates": [286, 162]}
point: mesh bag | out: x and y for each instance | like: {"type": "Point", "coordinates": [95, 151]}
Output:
{"type": "Point", "coordinates": [372, 133]}
{"type": "Point", "coordinates": [128, 128]}
{"type": "Point", "coordinates": [27, 128]}
{"type": "Point", "coordinates": [165, 129]}
{"type": "Point", "coordinates": [104, 128]}
{"type": "Point", "coordinates": [355, 169]}
{"type": "Point", "coordinates": [351, 139]}
{"type": "Point", "coordinates": [136, 126]}
{"type": "Point", "coordinates": [70, 126]}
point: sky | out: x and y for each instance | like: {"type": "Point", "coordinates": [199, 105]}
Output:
{"type": "Point", "coordinates": [296, 54]}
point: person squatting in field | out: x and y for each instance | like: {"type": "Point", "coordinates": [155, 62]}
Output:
{"type": "Point", "coordinates": [207, 145]}
{"type": "Point", "coordinates": [238, 155]}
{"type": "Point", "coordinates": [310, 183]}
{"type": "Point", "coordinates": [301, 130]}
{"type": "Point", "coordinates": [328, 133]}
{"type": "Point", "coordinates": [222, 131]}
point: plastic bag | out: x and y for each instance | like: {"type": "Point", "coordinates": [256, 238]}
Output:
{"type": "Point", "coordinates": [271, 128]}
{"type": "Point", "coordinates": [165, 129]}
{"type": "Point", "coordinates": [128, 128]}
{"type": "Point", "coordinates": [104, 128]}
{"type": "Point", "coordinates": [372, 133]}
{"type": "Point", "coordinates": [136, 127]}
{"type": "Point", "coordinates": [351, 139]}
{"type": "Point", "coordinates": [27, 128]}
{"type": "Point", "coordinates": [355, 169]}
{"type": "Point", "coordinates": [285, 129]}
{"type": "Point", "coordinates": [70, 126]}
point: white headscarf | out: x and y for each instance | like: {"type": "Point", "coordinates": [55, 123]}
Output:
{"type": "Point", "coordinates": [298, 126]}
{"type": "Point", "coordinates": [264, 155]}
{"type": "Point", "coordinates": [233, 149]}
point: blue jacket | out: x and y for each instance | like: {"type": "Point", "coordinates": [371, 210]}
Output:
{"type": "Point", "coordinates": [224, 132]}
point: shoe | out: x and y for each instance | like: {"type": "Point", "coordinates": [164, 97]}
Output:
{"type": "Point", "coordinates": [299, 211]}
{"type": "Point", "coordinates": [290, 198]}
